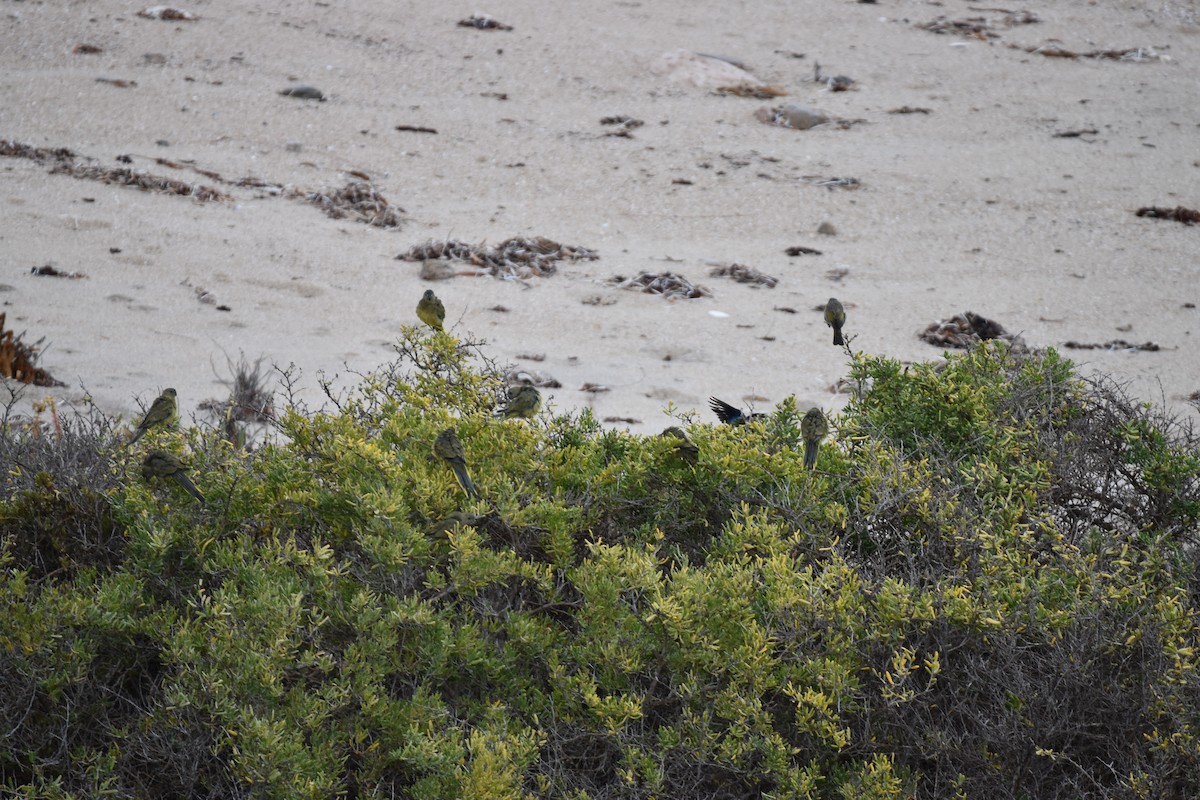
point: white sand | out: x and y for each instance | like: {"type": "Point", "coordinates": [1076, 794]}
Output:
{"type": "Point", "coordinates": [975, 206]}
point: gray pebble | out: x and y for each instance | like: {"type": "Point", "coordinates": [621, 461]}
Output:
{"type": "Point", "coordinates": [800, 117]}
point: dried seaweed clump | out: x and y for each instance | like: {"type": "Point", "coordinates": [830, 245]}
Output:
{"type": "Point", "coordinates": [123, 176]}
{"type": "Point", "coordinates": [19, 150]}
{"type": "Point", "coordinates": [519, 257]}
{"type": "Point", "coordinates": [668, 284]}
{"type": "Point", "coordinates": [1180, 214]}
{"type": "Point", "coordinates": [483, 22]}
{"type": "Point", "coordinates": [979, 27]}
{"type": "Point", "coordinates": [757, 90]}
{"type": "Point", "coordinates": [19, 360]}
{"type": "Point", "coordinates": [975, 27]}
{"type": "Point", "coordinates": [359, 201]}
{"type": "Point", "coordinates": [744, 274]}
{"type": "Point", "coordinates": [966, 330]}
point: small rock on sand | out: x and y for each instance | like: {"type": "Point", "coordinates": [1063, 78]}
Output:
{"type": "Point", "coordinates": [793, 115]}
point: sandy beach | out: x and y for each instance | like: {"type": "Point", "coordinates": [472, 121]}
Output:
{"type": "Point", "coordinates": [976, 169]}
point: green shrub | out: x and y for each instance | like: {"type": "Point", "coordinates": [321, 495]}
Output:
{"type": "Point", "coordinates": [985, 589]}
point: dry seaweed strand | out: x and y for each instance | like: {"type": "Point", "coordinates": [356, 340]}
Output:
{"type": "Point", "coordinates": [755, 90]}
{"type": "Point", "coordinates": [1187, 216]}
{"type": "Point", "coordinates": [744, 274]}
{"type": "Point", "coordinates": [18, 360]}
{"type": "Point", "coordinates": [1139, 55]}
{"type": "Point", "coordinates": [19, 150]}
{"type": "Point", "coordinates": [519, 257]}
{"type": "Point", "coordinates": [68, 163]}
{"type": "Point", "coordinates": [123, 176]}
{"type": "Point", "coordinates": [1113, 345]}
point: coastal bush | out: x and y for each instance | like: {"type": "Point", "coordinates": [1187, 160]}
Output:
{"type": "Point", "coordinates": [985, 589]}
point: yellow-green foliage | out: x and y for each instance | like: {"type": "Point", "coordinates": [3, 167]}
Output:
{"type": "Point", "coordinates": [960, 601]}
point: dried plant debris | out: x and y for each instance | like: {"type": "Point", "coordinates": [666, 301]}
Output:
{"type": "Point", "coordinates": [270, 187]}
{"type": "Point", "coordinates": [1077, 133]}
{"type": "Point", "coordinates": [250, 401]}
{"type": "Point", "coordinates": [1180, 214]}
{"type": "Point", "coordinates": [216, 176]}
{"type": "Point", "coordinates": [18, 360]}
{"type": "Point", "coordinates": [47, 270]}
{"type": "Point", "coordinates": [981, 28]}
{"type": "Point", "coordinates": [168, 14]}
{"type": "Point", "coordinates": [415, 129]}
{"type": "Point", "coordinates": [519, 257]}
{"type": "Point", "coordinates": [627, 125]}
{"type": "Point", "coordinates": [123, 176]}
{"type": "Point", "coordinates": [965, 330]}
{"type": "Point", "coordinates": [975, 27]}
{"type": "Point", "coordinates": [359, 201]}
{"type": "Point", "coordinates": [836, 83]}
{"type": "Point", "coordinates": [1139, 55]}
{"type": "Point", "coordinates": [251, 398]}
{"type": "Point", "coordinates": [622, 120]}
{"type": "Point", "coordinates": [910, 110]}
{"type": "Point", "coordinates": [833, 183]}
{"type": "Point", "coordinates": [19, 150]}
{"type": "Point", "coordinates": [667, 284]}
{"type": "Point", "coordinates": [120, 83]}
{"type": "Point", "coordinates": [86, 49]}
{"type": "Point", "coordinates": [1114, 344]}
{"type": "Point", "coordinates": [744, 274]}
{"type": "Point", "coordinates": [599, 300]}
{"type": "Point", "coordinates": [303, 92]}
{"type": "Point", "coordinates": [802, 251]}
{"type": "Point", "coordinates": [483, 22]}
{"type": "Point", "coordinates": [68, 162]}
{"type": "Point", "coordinates": [755, 90]}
